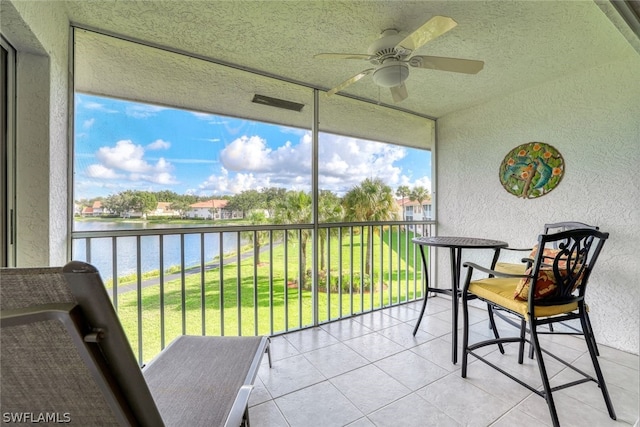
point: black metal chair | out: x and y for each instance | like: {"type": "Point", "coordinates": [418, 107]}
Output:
{"type": "Point", "coordinates": [527, 261]}
{"type": "Point", "coordinates": [554, 291]}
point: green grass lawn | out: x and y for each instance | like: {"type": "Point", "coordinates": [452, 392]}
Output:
{"type": "Point", "coordinates": [263, 300]}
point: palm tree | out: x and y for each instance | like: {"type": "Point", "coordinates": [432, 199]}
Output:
{"type": "Point", "coordinates": [271, 197]}
{"type": "Point", "coordinates": [419, 194]}
{"type": "Point", "coordinates": [329, 210]}
{"type": "Point", "coordinates": [372, 200]}
{"type": "Point", "coordinates": [403, 191]}
{"type": "Point", "coordinates": [295, 208]}
{"type": "Point", "coordinates": [257, 217]}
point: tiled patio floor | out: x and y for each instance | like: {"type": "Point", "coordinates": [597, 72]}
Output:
{"type": "Point", "coordinates": [370, 371]}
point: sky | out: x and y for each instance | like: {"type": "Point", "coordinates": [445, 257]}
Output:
{"type": "Point", "coordinates": [121, 145]}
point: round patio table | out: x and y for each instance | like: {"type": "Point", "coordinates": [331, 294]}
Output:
{"type": "Point", "coordinates": [455, 245]}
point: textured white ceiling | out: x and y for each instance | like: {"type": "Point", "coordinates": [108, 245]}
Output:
{"type": "Point", "coordinates": [523, 43]}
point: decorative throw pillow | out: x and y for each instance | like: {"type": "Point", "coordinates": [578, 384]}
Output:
{"type": "Point", "coordinates": [548, 254]}
{"type": "Point", "coordinates": [545, 285]}
{"type": "Point", "coordinates": [546, 282]}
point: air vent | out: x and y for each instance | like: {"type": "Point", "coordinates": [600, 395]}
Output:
{"type": "Point", "coordinates": [275, 102]}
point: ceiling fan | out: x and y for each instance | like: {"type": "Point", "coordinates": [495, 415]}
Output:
{"type": "Point", "coordinates": [391, 57]}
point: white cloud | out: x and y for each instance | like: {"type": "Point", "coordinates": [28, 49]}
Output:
{"type": "Point", "coordinates": [101, 172]}
{"type": "Point", "coordinates": [294, 131]}
{"type": "Point", "coordinates": [345, 162]}
{"type": "Point", "coordinates": [164, 178]}
{"type": "Point", "coordinates": [224, 183]}
{"type": "Point", "coordinates": [159, 144]}
{"type": "Point", "coordinates": [192, 161]}
{"type": "Point", "coordinates": [125, 156]}
{"type": "Point", "coordinates": [252, 154]}
{"type": "Point", "coordinates": [142, 111]}
{"type": "Point", "coordinates": [87, 124]}
{"type": "Point", "coordinates": [211, 119]}
{"type": "Point", "coordinates": [90, 105]}
{"type": "Point", "coordinates": [128, 159]}
{"type": "Point", "coordinates": [246, 154]}
{"type": "Point", "coordinates": [249, 163]}
{"type": "Point", "coordinates": [410, 182]}
{"type": "Point", "coordinates": [162, 166]}
{"type": "Point", "coordinates": [425, 182]}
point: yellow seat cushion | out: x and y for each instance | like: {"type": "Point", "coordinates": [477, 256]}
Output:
{"type": "Point", "coordinates": [500, 290]}
{"type": "Point", "coordinates": [511, 268]}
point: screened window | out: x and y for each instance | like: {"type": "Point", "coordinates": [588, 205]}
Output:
{"type": "Point", "coordinates": [163, 136]}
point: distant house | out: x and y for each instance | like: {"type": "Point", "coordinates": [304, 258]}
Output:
{"type": "Point", "coordinates": [212, 209]}
{"type": "Point", "coordinates": [164, 209]}
{"type": "Point", "coordinates": [98, 209]}
{"type": "Point", "coordinates": [413, 211]}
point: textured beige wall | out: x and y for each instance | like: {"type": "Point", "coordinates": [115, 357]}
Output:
{"type": "Point", "coordinates": [592, 118]}
{"type": "Point", "coordinates": [39, 32]}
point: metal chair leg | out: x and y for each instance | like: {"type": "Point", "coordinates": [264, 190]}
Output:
{"type": "Point", "coordinates": [422, 310]}
{"type": "Point", "coordinates": [589, 331]}
{"type": "Point", "coordinates": [530, 351]}
{"type": "Point", "coordinates": [426, 291]}
{"type": "Point", "coordinates": [523, 332]}
{"type": "Point", "coordinates": [545, 378]}
{"type": "Point", "coordinates": [589, 339]}
{"type": "Point", "coordinates": [465, 334]}
{"type": "Point", "coordinates": [268, 351]}
{"type": "Point", "coordinates": [492, 323]}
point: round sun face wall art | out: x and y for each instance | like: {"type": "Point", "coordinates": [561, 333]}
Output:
{"type": "Point", "coordinates": [531, 170]}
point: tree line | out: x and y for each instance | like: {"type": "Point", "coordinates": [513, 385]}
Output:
{"type": "Point", "coordinates": [364, 202]}
{"type": "Point", "coordinates": [371, 200]}
{"type": "Point", "coordinates": [128, 201]}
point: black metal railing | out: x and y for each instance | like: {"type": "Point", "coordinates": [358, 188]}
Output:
{"type": "Point", "coordinates": [251, 280]}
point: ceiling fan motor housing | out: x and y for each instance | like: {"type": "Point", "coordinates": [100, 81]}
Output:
{"type": "Point", "coordinates": [391, 73]}
{"type": "Point", "coordinates": [385, 46]}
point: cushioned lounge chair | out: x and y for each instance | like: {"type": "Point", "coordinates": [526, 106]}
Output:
{"type": "Point", "coordinates": [65, 358]}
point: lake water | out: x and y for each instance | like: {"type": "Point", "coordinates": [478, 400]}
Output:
{"type": "Point", "coordinates": [102, 250]}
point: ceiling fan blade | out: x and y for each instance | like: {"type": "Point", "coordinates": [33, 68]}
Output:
{"type": "Point", "coordinates": [399, 93]}
{"type": "Point", "coordinates": [350, 81]}
{"type": "Point", "coordinates": [467, 66]}
{"type": "Point", "coordinates": [434, 27]}
{"type": "Point", "coordinates": [342, 56]}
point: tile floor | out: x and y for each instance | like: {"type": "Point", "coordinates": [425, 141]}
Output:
{"type": "Point", "coordinates": [370, 370]}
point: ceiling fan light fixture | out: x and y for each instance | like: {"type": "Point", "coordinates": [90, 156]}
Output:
{"type": "Point", "coordinates": [391, 74]}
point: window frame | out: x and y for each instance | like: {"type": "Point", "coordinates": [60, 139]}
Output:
{"type": "Point", "coordinates": [7, 154]}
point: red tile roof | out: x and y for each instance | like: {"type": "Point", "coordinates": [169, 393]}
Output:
{"type": "Point", "coordinates": [213, 203]}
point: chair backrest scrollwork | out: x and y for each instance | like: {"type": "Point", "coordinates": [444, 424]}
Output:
{"type": "Point", "coordinates": [566, 259]}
